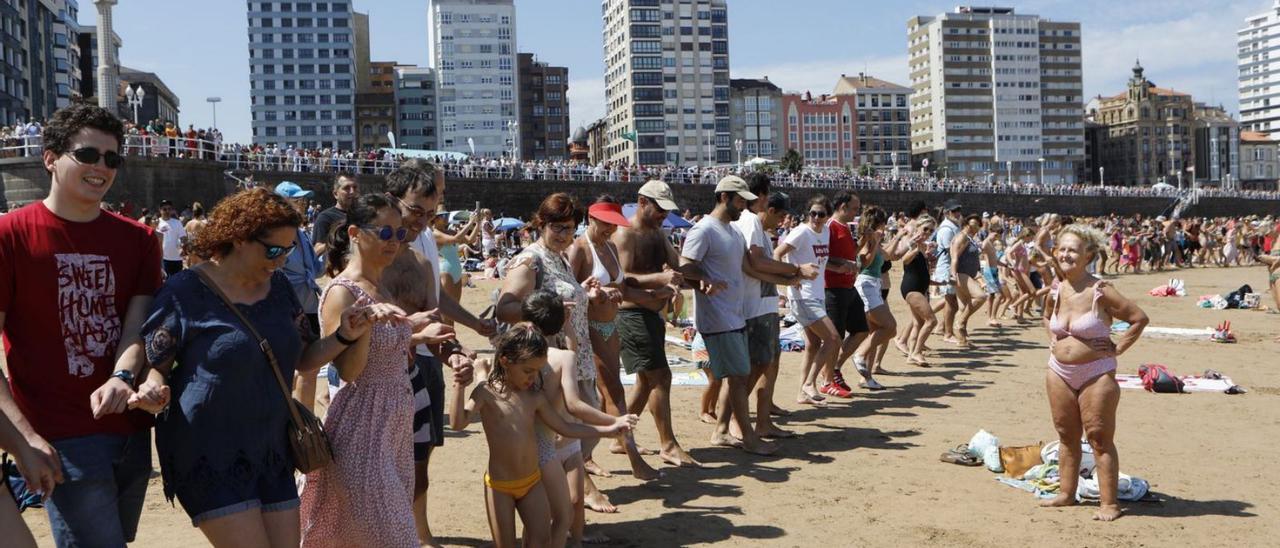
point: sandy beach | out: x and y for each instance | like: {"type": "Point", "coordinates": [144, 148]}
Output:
{"type": "Point", "coordinates": [865, 472]}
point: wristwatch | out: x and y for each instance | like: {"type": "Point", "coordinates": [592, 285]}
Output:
{"type": "Point", "coordinates": [126, 376]}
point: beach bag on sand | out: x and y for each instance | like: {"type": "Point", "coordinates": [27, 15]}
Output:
{"type": "Point", "coordinates": [1157, 378]}
{"type": "Point", "coordinates": [1017, 460]}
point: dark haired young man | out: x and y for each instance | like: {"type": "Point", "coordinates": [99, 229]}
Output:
{"type": "Point", "coordinates": [78, 281]}
{"type": "Point", "coordinates": [844, 305]}
{"type": "Point", "coordinates": [715, 255]}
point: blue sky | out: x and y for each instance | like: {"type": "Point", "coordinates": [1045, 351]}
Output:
{"type": "Point", "coordinates": [200, 48]}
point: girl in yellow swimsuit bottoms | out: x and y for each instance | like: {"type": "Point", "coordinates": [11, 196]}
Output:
{"type": "Point", "coordinates": [509, 402]}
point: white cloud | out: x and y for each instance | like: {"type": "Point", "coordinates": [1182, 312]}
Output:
{"type": "Point", "coordinates": [820, 76]}
{"type": "Point", "coordinates": [586, 102]}
{"type": "Point", "coordinates": [1195, 53]}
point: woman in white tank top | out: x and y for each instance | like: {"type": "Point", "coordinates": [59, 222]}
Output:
{"type": "Point", "coordinates": [594, 260]}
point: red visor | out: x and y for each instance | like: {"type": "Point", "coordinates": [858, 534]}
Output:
{"type": "Point", "coordinates": [609, 213]}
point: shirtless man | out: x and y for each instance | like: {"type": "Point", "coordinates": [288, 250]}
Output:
{"type": "Point", "coordinates": [649, 263]}
{"type": "Point", "coordinates": [413, 282]}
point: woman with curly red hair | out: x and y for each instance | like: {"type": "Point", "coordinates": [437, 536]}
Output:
{"type": "Point", "coordinates": [222, 446]}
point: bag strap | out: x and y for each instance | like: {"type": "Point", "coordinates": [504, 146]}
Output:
{"type": "Point", "coordinates": [262, 345]}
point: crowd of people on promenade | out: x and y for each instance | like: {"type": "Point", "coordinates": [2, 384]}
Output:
{"type": "Point", "coordinates": [163, 139]}
{"type": "Point", "coordinates": [217, 332]}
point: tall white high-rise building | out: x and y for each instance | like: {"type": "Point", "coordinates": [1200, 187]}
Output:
{"type": "Point", "coordinates": [473, 51]}
{"type": "Point", "coordinates": [1259, 74]}
{"type": "Point", "coordinates": [667, 81]}
{"type": "Point", "coordinates": [996, 94]}
{"type": "Point", "coordinates": [301, 74]}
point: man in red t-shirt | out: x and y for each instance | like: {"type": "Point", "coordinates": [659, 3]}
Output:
{"type": "Point", "coordinates": [844, 305]}
{"type": "Point", "coordinates": [76, 283]}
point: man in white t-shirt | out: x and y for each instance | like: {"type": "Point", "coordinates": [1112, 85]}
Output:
{"type": "Point", "coordinates": [760, 301]}
{"type": "Point", "coordinates": [714, 255]}
{"type": "Point", "coordinates": [172, 234]}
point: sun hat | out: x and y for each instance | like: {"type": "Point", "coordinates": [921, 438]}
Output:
{"type": "Point", "coordinates": [609, 213]}
{"type": "Point", "coordinates": [735, 184]}
{"type": "Point", "coordinates": [292, 190]}
{"type": "Point", "coordinates": [660, 193]}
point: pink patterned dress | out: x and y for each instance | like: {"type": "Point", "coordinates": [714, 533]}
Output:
{"type": "Point", "coordinates": [365, 497]}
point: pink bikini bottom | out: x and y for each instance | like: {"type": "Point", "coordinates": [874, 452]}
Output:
{"type": "Point", "coordinates": [1078, 374]}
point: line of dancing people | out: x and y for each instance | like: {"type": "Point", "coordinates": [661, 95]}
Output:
{"type": "Point", "coordinates": [100, 348]}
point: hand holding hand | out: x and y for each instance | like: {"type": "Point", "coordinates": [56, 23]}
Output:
{"type": "Point", "coordinates": [623, 424]}
{"type": "Point", "coordinates": [671, 277]}
{"type": "Point", "coordinates": [463, 370]}
{"type": "Point", "coordinates": [354, 323]}
{"type": "Point", "coordinates": [110, 398]}
{"type": "Point", "coordinates": [809, 271]}
{"type": "Point", "coordinates": [436, 333]}
{"type": "Point", "coordinates": [152, 397]}
{"type": "Point", "coordinates": [487, 328]}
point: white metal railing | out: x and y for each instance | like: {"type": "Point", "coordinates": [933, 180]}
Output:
{"type": "Point", "coordinates": [240, 157]}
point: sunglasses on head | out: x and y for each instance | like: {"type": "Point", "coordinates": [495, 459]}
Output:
{"type": "Point", "coordinates": [90, 156]}
{"type": "Point", "coordinates": [386, 233]}
{"type": "Point", "coordinates": [276, 251]}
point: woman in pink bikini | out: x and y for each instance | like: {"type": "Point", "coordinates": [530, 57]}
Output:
{"type": "Point", "coordinates": [1083, 394]}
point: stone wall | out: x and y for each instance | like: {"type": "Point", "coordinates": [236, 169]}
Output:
{"type": "Point", "coordinates": [146, 181]}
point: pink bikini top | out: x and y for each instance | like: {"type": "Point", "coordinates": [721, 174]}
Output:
{"type": "Point", "coordinates": [1084, 326]}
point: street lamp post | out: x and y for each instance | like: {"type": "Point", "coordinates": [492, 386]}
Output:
{"type": "Point", "coordinates": [1041, 160]}
{"type": "Point", "coordinates": [213, 101]}
{"type": "Point", "coordinates": [1008, 174]}
{"type": "Point", "coordinates": [134, 97]}
{"type": "Point", "coordinates": [737, 144]}
{"type": "Point", "coordinates": [513, 127]}
{"type": "Point", "coordinates": [1102, 178]}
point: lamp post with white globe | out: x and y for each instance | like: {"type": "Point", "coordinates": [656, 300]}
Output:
{"type": "Point", "coordinates": [134, 95]}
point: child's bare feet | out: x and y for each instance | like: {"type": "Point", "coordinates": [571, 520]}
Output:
{"type": "Point", "coordinates": [597, 502]}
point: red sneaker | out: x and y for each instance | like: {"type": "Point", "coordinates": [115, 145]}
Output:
{"type": "Point", "coordinates": [838, 380]}
{"type": "Point", "coordinates": [831, 389]}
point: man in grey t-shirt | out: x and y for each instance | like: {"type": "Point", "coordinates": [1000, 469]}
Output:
{"type": "Point", "coordinates": [714, 257]}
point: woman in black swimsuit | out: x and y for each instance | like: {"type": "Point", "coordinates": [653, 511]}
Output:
{"type": "Point", "coordinates": [915, 289]}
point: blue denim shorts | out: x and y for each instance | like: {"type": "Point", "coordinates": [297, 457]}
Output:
{"type": "Point", "coordinates": [105, 481]}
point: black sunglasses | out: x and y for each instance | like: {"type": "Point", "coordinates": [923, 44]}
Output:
{"type": "Point", "coordinates": [90, 156]}
{"type": "Point", "coordinates": [276, 251]}
{"type": "Point", "coordinates": [818, 214]}
{"type": "Point", "coordinates": [386, 233]}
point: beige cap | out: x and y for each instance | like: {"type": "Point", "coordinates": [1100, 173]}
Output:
{"type": "Point", "coordinates": [734, 183]}
{"type": "Point", "coordinates": [660, 193]}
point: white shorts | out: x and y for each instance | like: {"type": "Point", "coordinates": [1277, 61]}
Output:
{"type": "Point", "coordinates": [808, 311]}
{"type": "Point", "coordinates": [869, 289]}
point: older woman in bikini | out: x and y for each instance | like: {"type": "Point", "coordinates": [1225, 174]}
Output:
{"type": "Point", "coordinates": [1081, 384]}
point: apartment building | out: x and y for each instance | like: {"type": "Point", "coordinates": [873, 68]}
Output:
{"type": "Point", "coordinates": [755, 118]}
{"type": "Point", "coordinates": [473, 50]}
{"type": "Point", "coordinates": [544, 109]}
{"type": "Point", "coordinates": [884, 126]}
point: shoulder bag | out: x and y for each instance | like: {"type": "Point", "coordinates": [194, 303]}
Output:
{"type": "Point", "coordinates": [308, 443]}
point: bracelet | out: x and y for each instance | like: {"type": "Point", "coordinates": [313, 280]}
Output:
{"type": "Point", "coordinates": [337, 335]}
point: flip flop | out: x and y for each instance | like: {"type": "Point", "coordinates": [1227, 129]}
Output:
{"type": "Point", "coordinates": [960, 455]}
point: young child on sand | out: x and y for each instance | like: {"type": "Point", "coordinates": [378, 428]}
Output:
{"type": "Point", "coordinates": [563, 472]}
{"type": "Point", "coordinates": [508, 402]}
